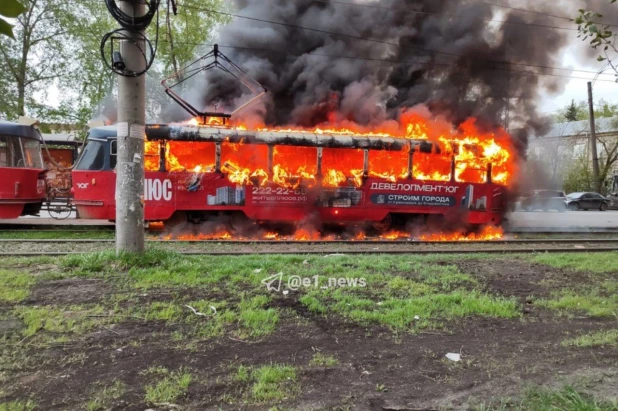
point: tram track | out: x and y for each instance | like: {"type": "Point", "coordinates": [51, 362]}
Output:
{"type": "Point", "coordinates": [51, 247]}
{"type": "Point", "coordinates": [322, 242]}
{"type": "Point", "coordinates": [343, 252]}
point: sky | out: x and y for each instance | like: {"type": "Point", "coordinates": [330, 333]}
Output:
{"type": "Point", "coordinates": [577, 89]}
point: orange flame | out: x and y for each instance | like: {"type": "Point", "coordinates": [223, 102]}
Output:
{"type": "Point", "coordinates": [473, 150]}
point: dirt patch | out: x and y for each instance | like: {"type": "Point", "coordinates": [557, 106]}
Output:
{"type": "Point", "coordinates": [520, 279]}
{"type": "Point", "coordinates": [69, 291]}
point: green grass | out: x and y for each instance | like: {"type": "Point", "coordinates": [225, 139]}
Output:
{"type": "Point", "coordinates": [74, 319]}
{"type": "Point", "coordinates": [170, 388]}
{"type": "Point", "coordinates": [57, 234]}
{"type": "Point", "coordinates": [18, 406]}
{"type": "Point", "coordinates": [321, 360]}
{"type": "Point", "coordinates": [565, 399]}
{"type": "Point", "coordinates": [269, 383]}
{"type": "Point", "coordinates": [595, 339]}
{"type": "Point", "coordinates": [591, 302]}
{"type": "Point", "coordinates": [411, 312]}
{"type": "Point", "coordinates": [103, 397]}
{"type": "Point", "coordinates": [15, 285]}
{"type": "Point", "coordinates": [598, 263]}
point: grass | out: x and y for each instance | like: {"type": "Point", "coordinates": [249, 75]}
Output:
{"type": "Point", "coordinates": [75, 319]}
{"type": "Point", "coordinates": [565, 399]}
{"type": "Point", "coordinates": [269, 383]}
{"type": "Point", "coordinates": [595, 339]}
{"type": "Point", "coordinates": [15, 285]}
{"type": "Point", "coordinates": [590, 301]}
{"type": "Point", "coordinates": [321, 360]}
{"type": "Point", "coordinates": [170, 388]}
{"type": "Point", "coordinates": [598, 263]}
{"type": "Point", "coordinates": [103, 397]}
{"type": "Point", "coordinates": [18, 406]}
{"type": "Point", "coordinates": [57, 234]}
{"type": "Point", "coordinates": [410, 312]}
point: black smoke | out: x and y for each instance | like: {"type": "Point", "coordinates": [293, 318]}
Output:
{"type": "Point", "coordinates": [449, 58]}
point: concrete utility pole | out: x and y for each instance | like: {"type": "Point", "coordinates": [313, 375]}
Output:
{"type": "Point", "coordinates": [131, 134]}
{"type": "Point", "coordinates": [593, 142]}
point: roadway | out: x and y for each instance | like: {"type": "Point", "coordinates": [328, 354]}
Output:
{"type": "Point", "coordinates": [568, 220]}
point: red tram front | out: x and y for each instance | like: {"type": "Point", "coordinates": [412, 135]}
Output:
{"type": "Point", "coordinates": [22, 174]}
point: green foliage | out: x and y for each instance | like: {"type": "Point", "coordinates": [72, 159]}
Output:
{"type": "Point", "coordinates": [572, 112]}
{"type": "Point", "coordinates": [579, 111]}
{"type": "Point", "coordinates": [39, 32]}
{"type": "Point", "coordinates": [596, 339]}
{"type": "Point", "coordinates": [579, 177]}
{"type": "Point", "coordinates": [65, 37]}
{"type": "Point", "coordinates": [599, 35]}
{"type": "Point", "coordinates": [173, 386]}
{"type": "Point", "coordinates": [10, 9]}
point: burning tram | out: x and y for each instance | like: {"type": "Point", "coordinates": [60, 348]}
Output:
{"type": "Point", "coordinates": [22, 174]}
{"type": "Point", "coordinates": [198, 173]}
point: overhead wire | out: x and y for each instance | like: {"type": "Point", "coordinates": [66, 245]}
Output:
{"type": "Point", "coordinates": [391, 61]}
{"type": "Point", "coordinates": [427, 13]}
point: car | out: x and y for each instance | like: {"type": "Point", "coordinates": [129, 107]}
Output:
{"type": "Point", "coordinates": [544, 200]}
{"type": "Point", "coordinates": [613, 201]}
{"type": "Point", "coordinates": [587, 201]}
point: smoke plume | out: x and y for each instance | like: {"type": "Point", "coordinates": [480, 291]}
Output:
{"type": "Point", "coordinates": [444, 54]}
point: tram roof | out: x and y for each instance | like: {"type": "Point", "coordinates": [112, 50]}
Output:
{"type": "Point", "coordinates": [8, 128]}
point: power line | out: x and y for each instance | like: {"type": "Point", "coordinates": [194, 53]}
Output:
{"type": "Point", "coordinates": [372, 6]}
{"type": "Point", "coordinates": [534, 12]}
{"type": "Point", "coordinates": [364, 38]}
{"type": "Point", "coordinates": [392, 61]}
{"type": "Point", "coordinates": [522, 10]}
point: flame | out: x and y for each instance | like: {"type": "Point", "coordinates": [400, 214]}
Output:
{"type": "Point", "coordinates": [472, 149]}
{"type": "Point", "coordinates": [486, 234]}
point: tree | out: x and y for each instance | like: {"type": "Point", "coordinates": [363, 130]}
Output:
{"type": "Point", "coordinates": [608, 156]}
{"type": "Point", "coordinates": [571, 112]}
{"type": "Point", "coordinates": [578, 111]}
{"type": "Point", "coordinates": [579, 176]}
{"type": "Point", "coordinates": [599, 34]}
{"type": "Point", "coordinates": [58, 48]}
{"type": "Point", "coordinates": [36, 57]}
{"type": "Point", "coordinates": [10, 9]}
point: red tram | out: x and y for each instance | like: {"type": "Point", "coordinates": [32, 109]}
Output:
{"type": "Point", "coordinates": [22, 174]}
{"type": "Point", "coordinates": [211, 183]}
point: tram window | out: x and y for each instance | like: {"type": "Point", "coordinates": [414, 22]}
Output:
{"type": "Point", "coordinates": [3, 152]}
{"type": "Point", "coordinates": [93, 157]}
{"type": "Point", "coordinates": [113, 154]}
{"type": "Point", "coordinates": [32, 153]}
{"type": "Point", "coordinates": [11, 154]}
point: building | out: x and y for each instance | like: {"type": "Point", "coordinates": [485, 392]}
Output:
{"type": "Point", "coordinates": [568, 142]}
